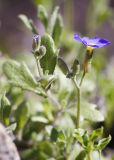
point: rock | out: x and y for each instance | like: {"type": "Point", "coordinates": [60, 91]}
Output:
{"type": "Point", "coordinates": [8, 149]}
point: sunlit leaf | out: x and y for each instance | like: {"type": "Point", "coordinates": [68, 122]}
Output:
{"type": "Point", "coordinates": [19, 75]}
{"type": "Point", "coordinates": [103, 143]}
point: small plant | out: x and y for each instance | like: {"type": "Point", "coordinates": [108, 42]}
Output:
{"type": "Point", "coordinates": [51, 123]}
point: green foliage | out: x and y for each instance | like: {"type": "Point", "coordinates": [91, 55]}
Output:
{"type": "Point", "coordinates": [20, 76]}
{"type": "Point", "coordinates": [5, 109]}
{"type": "Point", "coordinates": [82, 155]}
{"type": "Point", "coordinates": [90, 142]}
{"type": "Point", "coordinates": [63, 66]}
{"type": "Point", "coordinates": [48, 62]}
{"type": "Point", "coordinates": [43, 15]}
{"type": "Point", "coordinates": [28, 23]}
{"type": "Point", "coordinates": [103, 143]}
{"type": "Point", "coordinates": [44, 126]}
{"type": "Point", "coordinates": [57, 29]}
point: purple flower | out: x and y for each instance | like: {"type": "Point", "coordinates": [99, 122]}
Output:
{"type": "Point", "coordinates": [95, 42]}
{"type": "Point", "coordinates": [36, 42]}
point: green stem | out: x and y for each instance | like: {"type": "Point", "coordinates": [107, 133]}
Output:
{"type": "Point", "coordinates": [78, 104]}
{"type": "Point", "coordinates": [89, 156]}
{"type": "Point", "coordinates": [82, 78]}
{"type": "Point", "coordinates": [78, 108]}
{"type": "Point", "coordinates": [38, 67]}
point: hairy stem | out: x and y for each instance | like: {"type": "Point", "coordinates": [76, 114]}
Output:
{"type": "Point", "coordinates": [38, 67]}
{"type": "Point", "coordinates": [78, 104]}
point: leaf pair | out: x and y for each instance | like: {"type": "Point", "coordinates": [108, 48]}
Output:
{"type": "Point", "coordinates": [69, 72]}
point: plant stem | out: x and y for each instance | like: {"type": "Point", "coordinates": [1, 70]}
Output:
{"type": "Point", "coordinates": [78, 108]}
{"type": "Point", "coordinates": [82, 78]}
{"type": "Point", "coordinates": [38, 67]}
{"type": "Point", "coordinates": [89, 156]}
{"type": "Point", "coordinates": [78, 104]}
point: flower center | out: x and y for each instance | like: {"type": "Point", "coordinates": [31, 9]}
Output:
{"type": "Point", "coordinates": [90, 49]}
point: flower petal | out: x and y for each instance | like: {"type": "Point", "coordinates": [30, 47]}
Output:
{"type": "Point", "coordinates": [95, 42]}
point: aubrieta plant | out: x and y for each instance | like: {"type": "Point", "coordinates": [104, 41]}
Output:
{"type": "Point", "coordinates": [51, 126]}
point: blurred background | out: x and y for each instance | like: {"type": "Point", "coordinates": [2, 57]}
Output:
{"type": "Point", "coordinates": [87, 17]}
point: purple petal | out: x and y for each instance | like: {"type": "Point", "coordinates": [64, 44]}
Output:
{"type": "Point", "coordinates": [77, 37]}
{"type": "Point", "coordinates": [95, 42]}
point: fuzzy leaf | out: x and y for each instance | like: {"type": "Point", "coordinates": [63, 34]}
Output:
{"type": "Point", "coordinates": [42, 15]}
{"type": "Point", "coordinates": [28, 23]}
{"type": "Point", "coordinates": [63, 66]}
{"type": "Point", "coordinates": [75, 67]}
{"type": "Point", "coordinates": [53, 19]}
{"type": "Point", "coordinates": [103, 143]}
{"type": "Point", "coordinates": [48, 61]}
{"type": "Point", "coordinates": [20, 76]}
{"type": "Point", "coordinates": [89, 112]}
{"type": "Point", "coordinates": [96, 133]}
{"type": "Point", "coordinates": [57, 29]}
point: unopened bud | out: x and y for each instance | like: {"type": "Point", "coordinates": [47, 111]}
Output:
{"type": "Point", "coordinates": [41, 52]}
{"type": "Point", "coordinates": [36, 42]}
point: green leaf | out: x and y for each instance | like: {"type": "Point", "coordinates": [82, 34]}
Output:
{"type": "Point", "coordinates": [57, 29]}
{"type": "Point", "coordinates": [5, 109]}
{"type": "Point", "coordinates": [53, 19]}
{"type": "Point", "coordinates": [78, 134]}
{"type": "Point", "coordinates": [42, 15]}
{"type": "Point", "coordinates": [86, 138]}
{"type": "Point", "coordinates": [20, 76]}
{"type": "Point", "coordinates": [103, 143]}
{"type": "Point", "coordinates": [61, 137]}
{"type": "Point", "coordinates": [75, 69]}
{"type": "Point", "coordinates": [89, 112]}
{"type": "Point", "coordinates": [63, 66]}
{"type": "Point", "coordinates": [96, 133]}
{"type": "Point", "coordinates": [81, 155]}
{"type": "Point", "coordinates": [48, 61]}
{"type": "Point", "coordinates": [22, 115]}
{"type": "Point", "coordinates": [54, 134]}
{"type": "Point", "coordinates": [28, 23]}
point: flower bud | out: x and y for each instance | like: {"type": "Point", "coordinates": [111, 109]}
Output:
{"type": "Point", "coordinates": [41, 52]}
{"type": "Point", "coordinates": [36, 42]}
